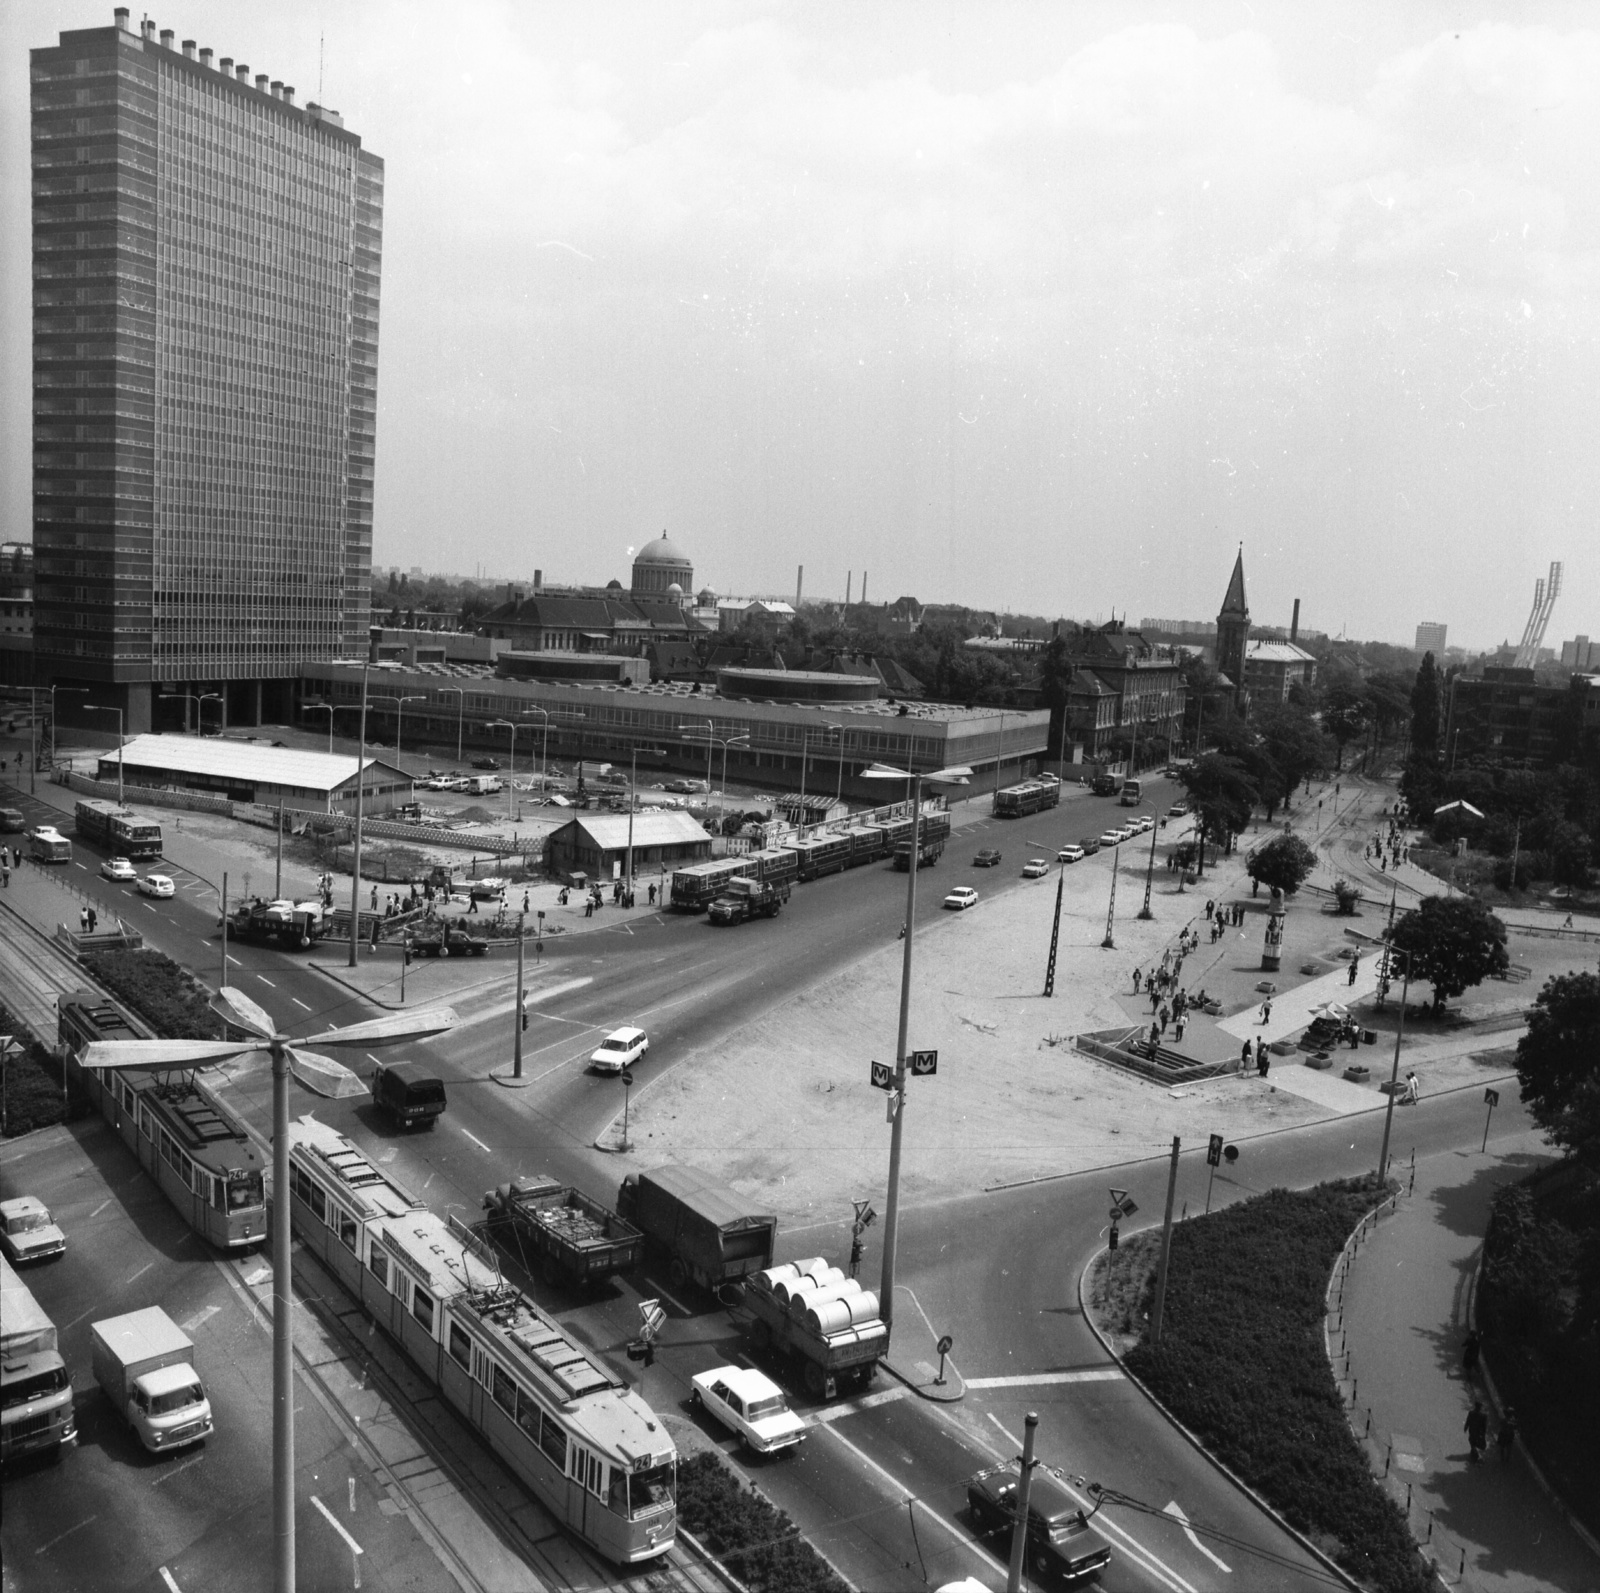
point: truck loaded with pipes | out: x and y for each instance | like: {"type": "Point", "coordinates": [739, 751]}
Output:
{"type": "Point", "coordinates": [812, 1313]}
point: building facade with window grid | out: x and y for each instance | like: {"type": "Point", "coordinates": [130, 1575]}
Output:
{"type": "Point", "coordinates": [206, 267]}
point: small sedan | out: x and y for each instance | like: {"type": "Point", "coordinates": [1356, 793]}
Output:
{"type": "Point", "coordinates": [1035, 868]}
{"type": "Point", "coordinates": [157, 885]}
{"type": "Point", "coordinates": [118, 868]}
{"type": "Point", "coordinates": [1111, 837]}
{"type": "Point", "coordinates": [1071, 854]}
{"type": "Point", "coordinates": [750, 1404]}
{"type": "Point", "coordinates": [1178, 810]}
{"type": "Point", "coordinates": [486, 763]}
{"type": "Point", "coordinates": [27, 1231]}
{"type": "Point", "coordinates": [1143, 823]}
{"type": "Point", "coordinates": [620, 1049]}
{"type": "Point", "coordinates": [1061, 1543]}
{"type": "Point", "coordinates": [961, 898]}
{"type": "Point", "coordinates": [1090, 845]}
{"type": "Point", "coordinates": [988, 857]}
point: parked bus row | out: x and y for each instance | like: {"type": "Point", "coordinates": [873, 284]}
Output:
{"type": "Point", "coordinates": [694, 888]}
{"type": "Point", "coordinates": [1031, 796]}
{"type": "Point", "coordinates": [199, 1154]}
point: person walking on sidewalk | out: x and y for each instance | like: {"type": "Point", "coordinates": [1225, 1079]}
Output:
{"type": "Point", "coordinates": [1506, 1438]}
{"type": "Point", "coordinates": [1477, 1430]}
{"type": "Point", "coordinates": [1266, 1010]}
{"type": "Point", "coordinates": [1136, 978]}
{"type": "Point", "coordinates": [1471, 1350]}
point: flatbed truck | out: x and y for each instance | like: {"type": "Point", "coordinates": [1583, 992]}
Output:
{"type": "Point", "coordinates": [574, 1239]}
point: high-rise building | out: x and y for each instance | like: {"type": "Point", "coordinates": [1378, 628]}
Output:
{"type": "Point", "coordinates": [205, 277]}
{"type": "Point", "coordinates": [1430, 638]}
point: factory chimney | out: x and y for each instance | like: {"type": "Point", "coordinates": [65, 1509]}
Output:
{"type": "Point", "coordinates": [799, 584]}
{"type": "Point", "coordinates": [849, 576]}
{"type": "Point", "coordinates": [1294, 624]}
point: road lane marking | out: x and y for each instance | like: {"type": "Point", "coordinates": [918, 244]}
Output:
{"type": "Point", "coordinates": [1099, 1374]}
{"type": "Point", "coordinates": [1141, 1556]}
{"type": "Point", "coordinates": [1175, 1510]}
{"type": "Point", "coordinates": [679, 1303]}
{"type": "Point", "coordinates": [199, 1318]}
{"type": "Point", "coordinates": [849, 1407]}
{"type": "Point", "coordinates": [172, 1586]}
{"type": "Point", "coordinates": [329, 1517]}
{"type": "Point", "coordinates": [193, 1460]}
{"type": "Point", "coordinates": [299, 1003]}
{"type": "Point", "coordinates": [266, 981]}
{"type": "Point", "coordinates": [98, 1209]}
{"type": "Point", "coordinates": [141, 1272]}
{"type": "Point", "coordinates": [67, 1534]}
{"type": "Point", "coordinates": [478, 1142]}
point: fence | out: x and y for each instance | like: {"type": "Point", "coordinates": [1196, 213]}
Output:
{"type": "Point", "coordinates": [147, 796]}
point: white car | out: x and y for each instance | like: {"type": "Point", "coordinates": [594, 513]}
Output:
{"type": "Point", "coordinates": [1111, 837]}
{"type": "Point", "coordinates": [1070, 854]}
{"type": "Point", "coordinates": [750, 1404]}
{"type": "Point", "coordinates": [27, 1232]}
{"type": "Point", "coordinates": [962, 897]}
{"type": "Point", "coordinates": [1178, 810]}
{"type": "Point", "coordinates": [118, 868]}
{"type": "Point", "coordinates": [1035, 868]}
{"type": "Point", "coordinates": [157, 885]}
{"type": "Point", "coordinates": [620, 1049]}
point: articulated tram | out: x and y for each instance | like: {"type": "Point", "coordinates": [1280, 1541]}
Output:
{"type": "Point", "coordinates": [582, 1442]}
{"type": "Point", "coordinates": [198, 1153]}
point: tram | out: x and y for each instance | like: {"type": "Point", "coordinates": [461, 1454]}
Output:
{"type": "Point", "coordinates": [199, 1154]}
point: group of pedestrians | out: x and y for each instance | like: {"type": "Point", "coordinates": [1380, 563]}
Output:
{"type": "Point", "coordinates": [1254, 1053]}
{"type": "Point", "coordinates": [87, 920]}
{"type": "Point", "coordinates": [1477, 1423]}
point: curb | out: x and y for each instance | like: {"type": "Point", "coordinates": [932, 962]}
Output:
{"type": "Point", "coordinates": [1238, 1482]}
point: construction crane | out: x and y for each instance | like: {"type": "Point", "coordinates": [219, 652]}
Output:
{"type": "Point", "coordinates": [1545, 593]}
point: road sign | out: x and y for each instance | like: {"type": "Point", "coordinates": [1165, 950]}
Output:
{"type": "Point", "coordinates": [882, 1076]}
{"type": "Point", "coordinates": [945, 1345]}
{"type": "Point", "coordinates": [865, 1215]}
{"type": "Point", "coordinates": [1128, 1207]}
{"type": "Point", "coordinates": [1214, 1151]}
{"type": "Point", "coordinates": [924, 1062]}
{"type": "Point", "coordinates": [1118, 1196]}
{"type": "Point", "coordinates": [627, 1078]}
{"type": "Point", "coordinates": [652, 1315]}
{"type": "Point", "coordinates": [1491, 1097]}
{"type": "Point", "coordinates": [1114, 1213]}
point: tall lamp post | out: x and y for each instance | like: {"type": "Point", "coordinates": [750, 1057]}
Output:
{"type": "Point", "coordinates": [461, 708]}
{"type": "Point", "coordinates": [633, 803]}
{"type": "Point", "coordinates": [399, 721]}
{"type": "Point", "coordinates": [1394, 1071]}
{"type": "Point", "coordinates": [958, 775]}
{"type": "Point", "coordinates": [740, 740]}
{"type": "Point", "coordinates": [838, 785]}
{"type": "Point", "coordinates": [567, 716]}
{"type": "Point", "coordinates": [511, 773]}
{"type": "Point", "coordinates": [199, 711]}
{"type": "Point", "coordinates": [1150, 871]}
{"type": "Point", "coordinates": [1055, 930]}
{"type": "Point", "coordinates": [328, 708]}
{"type": "Point", "coordinates": [33, 739]}
{"type": "Point", "coordinates": [100, 708]}
{"type": "Point", "coordinates": [355, 851]}
{"type": "Point", "coordinates": [711, 736]}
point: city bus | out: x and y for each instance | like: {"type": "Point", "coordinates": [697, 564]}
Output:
{"type": "Point", "coordinates": [577, 1437]}
{"type": "Point", "coordinates": [1132, 793]}
{"type": "Point", "coordinates": [48, 845]}
{"type": "Point", "coordinates": [199, 1154]}
{"type": "Point", "coordinates": [120, 830]}
{"type": "Point", "coordinates": [35, 1389]}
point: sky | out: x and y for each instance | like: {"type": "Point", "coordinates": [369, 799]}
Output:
{"type": "Point", "coordinates": [1041, 307]}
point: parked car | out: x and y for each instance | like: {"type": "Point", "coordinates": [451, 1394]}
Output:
{"type": "Point", "coordinates": [988, 857]}
{"type": "Point", "coordinates": [485, 763]}
{"type": "Point", "coordinates": [961, 898]}
{"type": "Point", "coordinates": [1061, 1542]}
{"type": "Point", "coordinates": [118, 868]}
{"type": "Point", "coordinates": [1144, 823]}
{"type": "Point", "coordinates": [1111, 837]}
{"type": "Point", "coordinates": [27, 1231]}
{"type": "Point", "coordinates": [621, 1048]}
{"type": "Point", "coordinates": [157, 885]}
{"type": "Point", "coordinates": [1178, 810]}
{"type": "Point", "coordinates": [1090, 845]}
{"type": "Point", "coordinates": [1070, 854]}
{"type": "Point", "coordinates": [1035, 868]}
{"type": "Point", "coordinates": [685, 787]}
{"type": "Point", "coordinates": [12, 822]}
{"type": "Point", "coordinates": [749, 1403]}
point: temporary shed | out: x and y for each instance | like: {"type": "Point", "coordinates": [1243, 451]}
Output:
{"type": "Point", "coordinates": [597, 844]}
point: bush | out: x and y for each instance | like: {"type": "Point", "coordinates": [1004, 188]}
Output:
{"type": "Point", "coordinates": [33, 1081]}
{"type": "Point", "coordinates": [1348, 897]}
{"type": "Point", "coordinates": [1243, 1367]}
{"type": "Point", "coordinates": [759, 1544]}
{"type": "Point", "coordinates": [168, 997]}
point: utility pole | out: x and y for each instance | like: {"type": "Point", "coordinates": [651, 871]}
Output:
{"type": "Point", "coordinates": [1394, 1071]}
{"type": "Point", "coordinates": [1055, 933]}
{"type": "Point", "coordinates": [517, 1019]}
{"type": "Point", "coordinates": [355, 858]}
{"type": "Point", "coordinates": [1019, 1530]}
{"type": "Point", "coordinates": [222, 972]}
{"type": "Point", "coordinates": [277, 884]}
{"type": "Point", "coordinates": [1166, 1246]}
{"type": "Point", "coordinates": [1150, 872]}
{"type": "Point", "coordinates": [1110, 941]}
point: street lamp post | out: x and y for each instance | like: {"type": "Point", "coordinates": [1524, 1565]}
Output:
{"type": "Point", "coordinates": [355, 850]}
{"type": "Point", "coordinates": [461, 706]}
{"type": "Point", "coordinates": [99, 708]}
{"type": "Point", "coordinates": [33, 727]}
{"type": "Point", "coordinates": [567, 714]}
{"type": "Point", "coordinates": [1394, 1071]}
{"type": "Point", "coordinates": [838, 789]}
{"type": "Point", "coordinates": [711, 736]}
{"type": "Point", "coordinates": [897, 1099]}
{"type": "Point", "coordinates": [330, 709]}
{"type": "Point", "coordinates": [399, 720]}
{"type": "Point", "coordinates": [633, 804]}
{"type": "Point", "coordinates": [511, 774]}
{"type": "Point", "coordinates": [742, 739]}
{"type": "Point", "coordinates": [1150, 872]}
{"type": "Point", "coordinates": [199, 711]}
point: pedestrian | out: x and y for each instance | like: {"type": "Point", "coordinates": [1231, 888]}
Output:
{"type": "Point", "coordinates": [1177, 1029]}
{"type": "Point", "coordinates": [83, 920]}
{"type": "Point", "coordinates": [374, 898]}
{"type": "Point", "coordinates": [652, 895]}
{"type": "Point", "coordinates": [1507, 1436]}
{"type": "Point", "coordinates": [1211, 906]}
{"type": "Point", "coordinates": [16, 855]}
{"type": "Point", "coordinates": [1477, 1430]}
{"type": "Point", "coordinates": [1136, 981]}
{"type": "Point", "coordinates": [1354, 961]}
{"type": "Point", "coordinates": [588, 907]}
{"type": "Point", "coordinates": [1155, 1037]}
{"type": "Point", "coordinates": [94, 920]}
{"type": "Point", "coordinates": [1244, 1058]}
{"type": "Point", "coordinates": [1263, 1060]}
{"type": "Point", "coordinates": [524, 901]}
{"type": "Point", "coordinates": [1413, 1089]}
{"type": "Point", "coordinates": [472, 902]}
{"type": "Point", "coordinates": [1155, 995]}
{"type": "Point", "coordinates": [1471, 1350]}
{"type": "Point", "coordinates": [1266, 1010]}
{"type": "Point", "coordinates": [5, 871]}
{"type": "Point", "coordinates": [1165, 1016]}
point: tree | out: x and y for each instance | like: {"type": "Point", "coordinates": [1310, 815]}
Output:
{"type": "Point", "coordinates": [1222, 795]}
{"type": "Point", "coordinates": [1387, 701]}
{"type": "Point", "coordinates": [1291, 747]}
{"type": "Point", "coordinates": [1455, 943]}
{"type": "Point", "coordinates": [1284, 864]}
{"type": "Point", "coordinates": [1558, 1064]}
{"type": "Point", "coordinates": [1345, 715]}
{"type": "Point", "coordinates": [1425, 709]}
{"type": "Point", "coordinates": [1055, 686]}
{"type": "Point", "coordinates": [1348, 897]}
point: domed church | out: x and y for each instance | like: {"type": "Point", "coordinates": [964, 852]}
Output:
{"type": "Point", "coordinates": [659, 568]}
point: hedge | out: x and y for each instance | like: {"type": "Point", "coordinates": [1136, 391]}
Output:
{"type": "Point", "coordinates": [33, 1081]}
{"type": "Point", "coordinates": [1241, 1363]}
{"type": "Point", "coordinates": [758, 1543]}
{"type": "Point", "coordinates": [168, 997]}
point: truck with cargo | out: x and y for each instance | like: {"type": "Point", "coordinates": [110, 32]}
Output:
{"type": "Point", "coordinates": [294, 925]}
{"type": "Point", "coordinates": [707, 1231]}
{"type": "Point", "coordinates": [35, 1388]}
{"type": "Point", "coordinates": [412, 1099]}
{"type": "Point", "coordinates": [929, 851]}
{"type": "Point", "coordinates": [744, 898]}
{"type": "Point", "coordinates": [696, 887]}
{"type": "Point", "coordinates": [574, 1239]}
{"type": "Point", "coordinates": [811, 1313]}
{"type": "Point", "coordinates": [145, 1363]}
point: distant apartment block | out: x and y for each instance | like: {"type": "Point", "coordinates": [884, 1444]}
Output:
{"type": "Point", "coordinates": [1580, 653]}
{"type": "Point", "coordinates": [1180, 627]}
{"type": "Point", "coordinates": [205, 346]}
{"type": "Point", "coordinates": [1430, 637]}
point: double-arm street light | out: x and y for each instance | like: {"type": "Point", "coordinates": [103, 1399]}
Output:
{"type": "Point", "coordinates": [399, 722]}
{"type": "Point", "coordinates": [99, 708]}
{"type": "Point", "coordinates": [199, 710]}
{"type": "Point", "coordinates": [740, 740]}
{"type": "Point", "coordinates": [959, 775]}
{"type": "Point", "coordinates": [566, 716]}
{"type": "Point", "coordinates": [511, 773]}
{"type": "Point", "coordinates": [461, 707]}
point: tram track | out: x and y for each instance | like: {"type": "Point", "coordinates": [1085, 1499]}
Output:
{"type": "Point", "coordinates": [29, 961]}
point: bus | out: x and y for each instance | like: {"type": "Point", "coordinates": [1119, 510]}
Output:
{"type": "Point", "coordinates": [35, 1388]}
{"type": "Point", "coordinates": [120, 830]}
{"type": "Point", "coordinates": [199, 1154]}
{"type": "Point", "coordinates": [48, 845]}
{"type": "Point", "coordinates": [576, 1436]}
{"type": "Point", "coordinates": [1029, 797]}
{"type": "Point", "coordinates": [1132, 793]}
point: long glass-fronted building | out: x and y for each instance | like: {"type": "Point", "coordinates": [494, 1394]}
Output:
{"type": "Point", "coordinates": [206, 259]}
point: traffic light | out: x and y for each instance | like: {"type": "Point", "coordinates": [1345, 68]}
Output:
{"type": "Point", "coordinates": [407, 948]}
{"type": "Point", "coordinates": [524, 1019]}
{"type": "Point", "coordinates": [1214, 1151]}
{"type": "Point", "coordinates": [1114, 1238]}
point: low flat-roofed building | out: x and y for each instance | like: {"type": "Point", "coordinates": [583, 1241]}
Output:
{"type": "Point", "coordinates": [246, 771]}
{"type": "Point", "coordinates": [596, 844]}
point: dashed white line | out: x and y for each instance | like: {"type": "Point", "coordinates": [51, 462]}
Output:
{"type": "Point", "coordinates": [167, 1577]}
{"type": "Point", "coordinates": [328, 1516]}
{"type": "Point", "coordinates": [67, 1534]}
{"type": "Point", "coordinates": [299, 1003]}
{"type": "Point", "coordinates": [849, 1407]}
{"type": "Point", "coordinates": [141, 1272]}
{"type": "Point", "coordinates": [266, 981]}
{"type": "Point", "coordinates": [478, 1142]}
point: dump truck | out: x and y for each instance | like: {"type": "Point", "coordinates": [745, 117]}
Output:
{"type": "Point", "coordinates": [294, 925]}
{"type": "Point", "coordinates": [145, 1363]}
{"type": "Point", "coordinates": [35, 1387]}
{"type": "Point", "coordinates": [744, 898]}
{"type": "Point", "coordinates": [574, 1239]}
{"type": "Point", "coordinates": [706, 1230]}
{"type": "Point", "coordinates": [811, 1313]}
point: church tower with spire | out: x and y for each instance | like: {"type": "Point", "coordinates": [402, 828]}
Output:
{"type": "Point", "coordinates": [1233, 630]}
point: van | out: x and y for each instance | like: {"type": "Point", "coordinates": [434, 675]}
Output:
{"type": "Point", "coordinates": [411, 1099]}
{"type": "Point", "coordinates": [12, 822]}
{"type": "Point", "coordinates": [482, 784]}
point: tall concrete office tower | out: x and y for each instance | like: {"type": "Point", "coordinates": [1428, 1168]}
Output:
{"type": "Point", "coordinates": [205, 285]}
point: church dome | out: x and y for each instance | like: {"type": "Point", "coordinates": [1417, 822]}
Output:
{"type": "Point", "coordinates": [675, 592]}
{"type": "Point", "coordinates": [659, 565]}
{"type": "Point", "coordinates": [661, 551]}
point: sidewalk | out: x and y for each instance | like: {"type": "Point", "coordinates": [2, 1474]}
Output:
{"type": "Point", "coordinates": [1406, 1304]}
